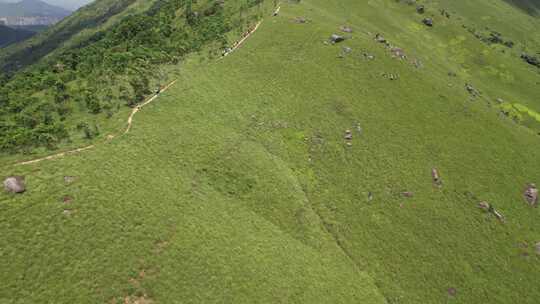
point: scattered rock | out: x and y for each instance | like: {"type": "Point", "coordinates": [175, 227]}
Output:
{"type": "Point", "coordinates": [368, 56]}
{"type": "Point", "coordinates": [531, 195]}
{"type": "Point", "coordinates": [138, 300]}
{"type": "Point", "coordinates": [428, 22]}
{"type": "Point", "coordinates": [420, 9]}
{"type": "Point", "coordinates": [336, 38]}
{"type": "Point", "coordinates": [499, 100]}
{"type": "Point", "coordinates": [348, 135]}
{"type": "Point", "coordinates": [474, 92]}
{"type": "Point", "coordinates": [370, 196]}
{"type": "Point", "coordinates": [300, 20]}
{"type": "Point", "coordinates": [484, 206]}
{"type": "Point", "coordinates": [15, 184]}
{"type": "Point", "coordinates": [445, 13]}
{"type": "Point", "coordinates": [346, 29]}
{"type": "Point", "coordinates": [407, 194]}
{"type": "Point", "coordinates": [67, 199]}
{"type": "Point", "coordinates": [359, 128]}
{"type": "Point", "coordinates": [489, 208]}
{"type": "Point", "coordinates": [498, 215]}
{"type": "Point", "coordinates": [380, 38]}
{"type": "Point", "coordinates": [531, 60]}
{"type": "Point", "coordinates": [347, 50]}
{"type": "Point", "coordinates": [69, 179]}
{"type": "Point", "coordinates": [398, 52]}
{"type": "Point", "coordinates": [436, 177]}
{"type": "Point", "coordinates": [67, 212]}
{"type": "Point", "coordinates": [393, 76]}
{"type": "Point", "coordinates": [537, 248]}
{"type": "Point", "coordinates": [452, 291]}
{"type": "Point", "coordinates": [523, 245]}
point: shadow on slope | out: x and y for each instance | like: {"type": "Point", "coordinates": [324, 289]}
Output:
{"type": "Point", "coordinates": [532, 7]}
{"type": "Point", "coordinates": [9, 35]}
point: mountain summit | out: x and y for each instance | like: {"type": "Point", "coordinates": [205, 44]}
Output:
{"type": "Point", "coordinates": [32, 8]}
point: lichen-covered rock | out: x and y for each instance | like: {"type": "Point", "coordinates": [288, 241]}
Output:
{"type": "Point", "coordinates": [531, 194]}
{"type": "Point", "coordinates": [428, 22]}
{"type": "Point", "coordinates": [379, 38]}
{"type": "Point", "coordinates": [484, 206]}
{"type": "Point", "coordinates": [14, 184]}
{"type": "Point", "coordinates": [436, 177]}
{"type": "Point", "coordinates": [531, 60]}
{"type": "Point", "coordinates": [346, 29]}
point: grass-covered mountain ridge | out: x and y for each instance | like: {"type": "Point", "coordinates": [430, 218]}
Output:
{"type": "Point", "coordinates": [307, 151]}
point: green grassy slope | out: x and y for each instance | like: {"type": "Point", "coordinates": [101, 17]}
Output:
{"type": "Point", "coordinates": [236, 186]}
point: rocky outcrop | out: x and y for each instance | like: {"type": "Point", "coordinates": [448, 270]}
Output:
{"type": "Point", "coordinates": [15, 184]}
{"type": "Point", "coordinates": [531, 195]}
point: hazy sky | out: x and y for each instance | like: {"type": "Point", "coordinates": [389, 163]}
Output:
{"type": "Point", "coordinates": [69, 4]}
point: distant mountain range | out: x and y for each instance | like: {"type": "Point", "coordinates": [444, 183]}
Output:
{"type": "Point", "coordinates": [30, 13]}
{"type": "Point", "coordinates": [31, 8]}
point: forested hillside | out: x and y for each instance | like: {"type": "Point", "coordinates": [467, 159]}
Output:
{"type": "Point", "coordinates": [9, 35]}
{"type": "Point", "coordinates": [100, 71]}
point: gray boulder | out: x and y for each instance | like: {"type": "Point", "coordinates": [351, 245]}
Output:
{"type": "Point", "coordinates": [537, 247]}
{"type": "Point", "coordinates": [531, 194]}
{"type": "Point", "coordinates": [484, 206]}
{"type": "Point", "coordinates": [531, 59]}
{"type": "Point", "coordinates": [336, 38]}
{"type": "Point", "coordinates": [346, 29]}
{"type": "Point", "coordinates": [379, 38]}
{"type": "Point", "coordinates": [428, 22]}
{"type": "Point", "coordinates": [15, 184]}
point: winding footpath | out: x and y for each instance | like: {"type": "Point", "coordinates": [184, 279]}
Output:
{"type": "Point", "coordinates": [109, 138]}
{"type": "Point", "coordinates": [133, 112]}
{"type": "Point", "coordinates": [239, 43]}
